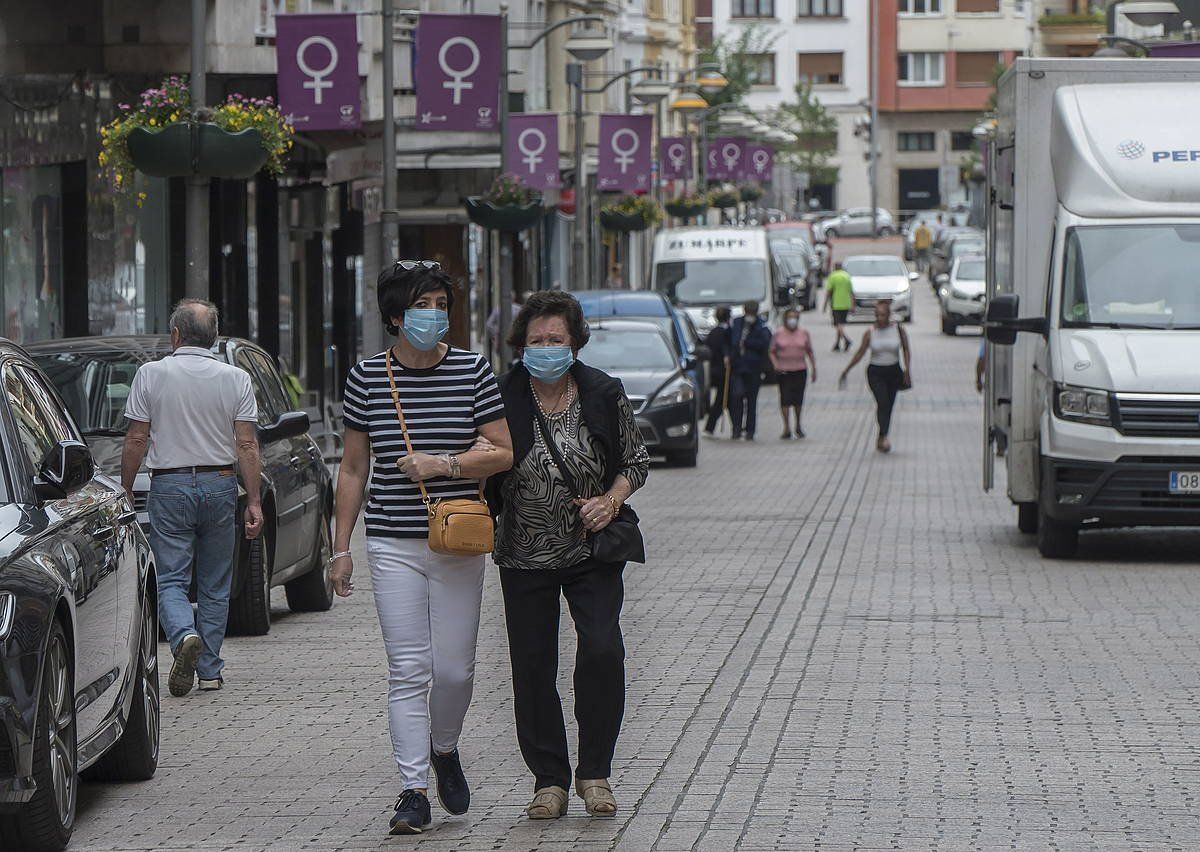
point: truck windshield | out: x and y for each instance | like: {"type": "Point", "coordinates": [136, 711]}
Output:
{"type": "Point", "coordinates": [712, 282]}
{"type": "Point", "coordinates": [1132, 276]}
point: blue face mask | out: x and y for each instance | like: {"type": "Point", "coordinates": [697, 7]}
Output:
{"type": "Point", "coordinates": [548, 363]}
{"type": "Point", "coordinates": [424, 328]}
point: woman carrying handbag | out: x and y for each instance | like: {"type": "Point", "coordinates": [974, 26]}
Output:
{"type": "Point", "coordinates": [564, 529]}
{"type": "Point", "coordinates": [887, 342]}
{"type": "Point", "coordinates": [432, 417]}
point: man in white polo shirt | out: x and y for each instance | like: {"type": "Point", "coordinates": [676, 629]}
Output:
{"type": "Point", "coordinates": [191, 416]}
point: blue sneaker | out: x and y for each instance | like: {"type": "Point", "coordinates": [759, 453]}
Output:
{"type": "Point", "coordinates": [412, 814]}
{"type": "Point", "coordinates": [452, 789]}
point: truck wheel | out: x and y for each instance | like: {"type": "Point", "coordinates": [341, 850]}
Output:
{"type": "Point", "coordinates": [949, 328]}
{"type": "Point", "coordinates": [1027, 518]}
{"type": "Point", "coordinates": [47, 820]}
{"type": "Point", "coordinates": [312, 591]}
{"type": "Point", "coordinates": [1056, 539]}
{"type": "Point", "coordinates": [250, 611]}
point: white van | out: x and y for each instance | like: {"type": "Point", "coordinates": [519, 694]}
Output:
{"type": "Point", "coordinates": [700, 269]}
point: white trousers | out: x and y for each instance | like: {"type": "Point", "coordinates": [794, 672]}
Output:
{"type": "Point", "coordinates": [428, 607]}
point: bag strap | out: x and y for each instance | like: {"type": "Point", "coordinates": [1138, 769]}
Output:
{"type": "Point", "coordinates": [404, 431]}
{"type": "Point", "coordinates": [555, 455]}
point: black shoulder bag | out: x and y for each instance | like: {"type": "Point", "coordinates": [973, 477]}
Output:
{"type": "Point", "coordinates": [621, 540]}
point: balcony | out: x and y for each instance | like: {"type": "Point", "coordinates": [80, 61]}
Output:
{"type": "Point", "coordinates": [1071, 34]}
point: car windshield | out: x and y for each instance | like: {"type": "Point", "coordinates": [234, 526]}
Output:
{"type": "Point", "coordinates": [792, 264]}
{"type": "Point", "coordinates": [711, 282]}
{"type": "Point", "coordinates": [871, 266]}
{"type": "Point", "coordinates": [628, 349]}
{"type": "Point", "coordinates": [970, 270]}
{"type": "Point", "coordinates": [94, 386]}
{"type": "Point", "coordinates": [1136, 276]}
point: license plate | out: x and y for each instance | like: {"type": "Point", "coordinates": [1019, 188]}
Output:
{"type": "Point", "coordinates": [1185, 482]}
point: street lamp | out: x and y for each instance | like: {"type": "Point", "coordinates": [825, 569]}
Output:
{"type": "Point", "coordinates": [1144, 13]}
{"type": "Point", "coordinates": [588, 44]}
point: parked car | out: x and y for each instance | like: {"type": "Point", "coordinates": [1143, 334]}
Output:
{"type": "Point", "coordinates": [880, 276]}
{"type": "Point", "coordinates": [652, 306]}
{"type": "Point", "coordinates": [798, 279]}
{"type": "Point", "coordinates": [961, 293]}
{"type": "Point", "coordinates": [78, 619]}
{"type": "Point", "coordinates": [93, 376]}
{"type": "Point", "coordinates": [856, 222]}
{"type": "Point", "coordinates": [929, 217]}
{"type": "Point", "coordinates": [956, 246]}
{"type": "Point", "coordinates": [663, 396]}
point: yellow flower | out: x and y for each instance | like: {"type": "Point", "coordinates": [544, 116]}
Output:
{"type": "Point", "coordinates": [119, 178]}
{"type": "Point", "coordinates": [153, 122]}
{"type": "Point", "coordinates": [103, 159]}
{"type": "Point", "coordinates": [174, 116]}
{"type": "Point", "coordinates": [289, 143]}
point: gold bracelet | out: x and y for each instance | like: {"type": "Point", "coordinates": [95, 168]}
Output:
{"type": "Point", "coordinates": [616, 507]}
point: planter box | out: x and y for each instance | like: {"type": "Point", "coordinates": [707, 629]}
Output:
{"type": "Point", "coordinates": [725, 200]}
{"type": "Point", "coordinates": [611, 220]}
{"type": "Point", "coordinates": [750, 193]}
{"type": "Point", "coordinates": [683, 210]}
{"type": "Point", "coordinates": [205, 150]}
{"type": "Point", "coordinates": [511, 219]}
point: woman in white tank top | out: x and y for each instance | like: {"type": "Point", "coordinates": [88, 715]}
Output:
{"type": "Point", "coordinates": [888, 343]}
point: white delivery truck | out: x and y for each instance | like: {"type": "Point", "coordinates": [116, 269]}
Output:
{"type": "Point", "coordinates": [700, 269]}
{"type": "Point", "coordinates": [1093, 319]}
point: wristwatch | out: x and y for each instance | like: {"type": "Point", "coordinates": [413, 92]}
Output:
{"type": "Point", "coordinates": [455, 467]}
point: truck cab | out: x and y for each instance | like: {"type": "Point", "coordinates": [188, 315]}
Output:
{"type": "Point", "coordinates": [1093, 281]}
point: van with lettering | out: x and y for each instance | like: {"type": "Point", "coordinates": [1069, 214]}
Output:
{"type": "Point", "coordinates": [700, 269]}
{"type": "Point", "coordinates": [1093, 303]}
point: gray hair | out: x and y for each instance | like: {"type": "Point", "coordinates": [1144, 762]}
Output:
{"type": "Point", "coordinates": [196, 322]}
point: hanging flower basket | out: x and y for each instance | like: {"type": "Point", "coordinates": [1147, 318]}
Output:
{"type": "Point", "coordinates": [631, 213]}
{"type": "Point", "coordinates": [204, 149]}
{"type": "Point", "coordinates": [510, 218]}
{"type": "Point", "coordinates": [750, 192]}
{"type": "Point", "coordinates": [688, 206]}
{"type": "Point", "coordinates": [724, 198]}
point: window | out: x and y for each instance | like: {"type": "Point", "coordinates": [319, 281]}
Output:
{"type": "Point", "coordinates": [266, 373]}
{"type": "Point", "coordinates": [922, 69]}
{"type": "Point", "coordinates": [978, 7]}
{"type": "Point", "coordinates": [819, 8]}
{"type": "Point", "coordinates": [920, 7]}
{"type": "Point", "coordinates": [819, 69]}
{"type": "Point", "coordinates": [754, 8]}
{"type": "Point", "coordinates": [268, 409]}
{"type": "Point", "coordinates": [36, 431]}
{"type": "Point", "coordinates": [761, 67]}
{"type": "Point", "coordinates": [962, 140]}
{"type": "Point", "coordinates": [975, 68]}
{"type": "Point", "coordinates": [921, 140]}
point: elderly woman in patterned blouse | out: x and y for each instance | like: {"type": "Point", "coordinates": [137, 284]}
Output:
{"type": "Point", "coordinates": [543, 548]}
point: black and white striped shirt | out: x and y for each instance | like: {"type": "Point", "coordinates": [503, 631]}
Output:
{"type": "Point", "coordinates": [444, 406]}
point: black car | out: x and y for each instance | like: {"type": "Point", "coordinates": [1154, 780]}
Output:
{"type": "Point", "coordinates": [78, 618]}
{"type": "Point", "coordinates": [93, 376]}
{"type": "Point", "coordinates": [662, 394]}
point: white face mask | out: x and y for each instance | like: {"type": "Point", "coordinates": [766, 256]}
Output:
{"type": "Point", "coordinates": [792, 323]}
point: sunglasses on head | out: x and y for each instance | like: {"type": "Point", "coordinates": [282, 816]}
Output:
{"type": "Point", "coordinates": [410, 265]}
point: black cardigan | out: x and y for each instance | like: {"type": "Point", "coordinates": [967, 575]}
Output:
{"type": "Point", "coordinates": [599, 397]}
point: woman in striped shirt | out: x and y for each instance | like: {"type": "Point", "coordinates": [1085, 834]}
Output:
{"type": "Point", "coordinates": [428, 603]}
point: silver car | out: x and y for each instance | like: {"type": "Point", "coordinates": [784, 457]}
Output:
{"type": "Point", "coordinates": [856, 222]}
{"type": "Point", "coordinates": [880, 276]}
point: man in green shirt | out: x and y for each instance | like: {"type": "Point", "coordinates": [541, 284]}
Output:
{"type": "Point", "coordinates": [839, 295]}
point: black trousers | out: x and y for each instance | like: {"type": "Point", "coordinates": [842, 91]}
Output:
{"type": "Point", "coordinates": [885, 384]}
{"type": "Point", "coordinates": [595, 592]}
{"type": "Point", "coordinates": [716, 402]}
{"type": "Point", "coordinates": [743, 402]}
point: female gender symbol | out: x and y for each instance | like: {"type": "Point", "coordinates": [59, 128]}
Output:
{"type": "Point", "coordinates": [317, 81]}
{"type": "Point", "coordinates": [458, 76]}
{"type": "Point", "coordinates": [760, 158]}
{"type": "Point", "coordinates": [532, 156]}
{"type": "Point", "coordinates": [732, 152]}
{"type": "Point", "coordinates": [625, 155]}
{"type": "Point", "coordinates": [676, 153]}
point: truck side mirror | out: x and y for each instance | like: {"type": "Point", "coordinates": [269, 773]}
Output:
{"type": "Point", "coordinates": [1002, 322]}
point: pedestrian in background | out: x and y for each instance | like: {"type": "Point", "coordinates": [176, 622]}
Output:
{"type": "Point", "coordinates": [577, 457]}
{"type": "Point", "coordinates": [428, 603]}
{"type": "Point", "coordinates": [717, 342]}
{"type": "Point", "coordinates": [839, 296]}
{"type": "Point", "coordinates": [492, 326]}
{"type": "Point", "coordinates": [749, 340]}
{"type": "Point", "coordinates": [887, 342]}
{"type": "Point", "coordinates": [191, 416]}
{"type": "Point", "coordinates": [922, 241]}
{"type": "Point", "coordinates": [791, 353]}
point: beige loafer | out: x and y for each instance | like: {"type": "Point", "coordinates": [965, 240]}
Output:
{"type": "Point", "coordinates": [597, 796]}
{"type": "Point", "coordinates": [547, 803]}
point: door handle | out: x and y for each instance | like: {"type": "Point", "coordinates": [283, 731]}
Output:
{"type": "Point", "coordinates": [127, 518]}
{"type": "Point", "coordinates": [294, 461]}
{"type": "Point", "coordinates": [104, 533]}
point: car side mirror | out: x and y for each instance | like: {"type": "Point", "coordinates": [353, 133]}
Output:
{"type": "Point", "coordinates": [691, 362]}
{"type": "Point", "coordinates": [782, 296]}
{"type": "Point", "coordinates": [943, 279]}
{"type": "Point", "coordinates": [291, 424]}
{"type": "Point", "coordinates": [1003, 323]}
{"type": "Point", "coordinates": [66, 467]}
{"type": "Point", "coordinates": [913, 276]}
{"type": "Point", "coordinates": [702, 352]}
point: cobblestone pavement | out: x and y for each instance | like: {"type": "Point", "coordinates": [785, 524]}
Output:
{"type": "Point", "coordinates": [830, 648]}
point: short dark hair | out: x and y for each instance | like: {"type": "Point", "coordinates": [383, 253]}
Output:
{"type": "Point", "coordinates": [722, 314]}
{"type": "Point", "coordinates": [196, 321]}
{"type": "Point", "coordinates": [750, 307]}
{"type": "Point", "coordinates": [398, 290]}
{"type": "Point", "coordinates": [837, 265]}
{"type": "Point", "coordinates": [550, 303]}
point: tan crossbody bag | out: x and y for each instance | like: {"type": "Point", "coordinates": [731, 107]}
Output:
{"type": "Point", "coordinates": [459, 527]}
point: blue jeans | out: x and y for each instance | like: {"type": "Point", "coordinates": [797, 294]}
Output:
{"type": "Point", "coordinates": [192, 522]}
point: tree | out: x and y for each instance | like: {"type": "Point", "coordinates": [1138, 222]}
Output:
{"type": "Point", "coordinates": [816, 135]}
{"type": "Point", "coordinates": [732, 54]}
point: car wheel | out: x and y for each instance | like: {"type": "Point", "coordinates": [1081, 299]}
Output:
{"type": "Point", "coordinates": [46, 820]}
{"type": "Point", "coordinates": [250, 611]}
{"type": "Point", "coordinates": [886, 231]}
{"type": "Point", "coordinates": [1056, 539]}
{"type": "Point", "coordinates": [683, 458]}
{"type": "Point", "coordinates": [1027, 518]}
{"type": "Point", "coordinates": [831, 232]}
{"type": "Point", "coordinates": [135, 755]}
{"type": "Point", "coordinates": [908, 317]}
{"type": "Point", "coordinates": [948, 326]}
{"type": "Point", "coordinates": [312, 591]}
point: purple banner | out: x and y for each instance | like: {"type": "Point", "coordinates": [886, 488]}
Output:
{"type": "Point", "coordinates": [457, 72]}
{"type": "Point", "coordinates": [317, 58]}
{"type": "Point", "coordinates": [760, 162]}
{"type": "Point", "coordinates": [625, 152]}
{"type": "Point", "coordinates": [675, 155]}
{"type": "Point", "coordinates": [727, 158]}
{"type": "Point", "coordinates": [531, 149]}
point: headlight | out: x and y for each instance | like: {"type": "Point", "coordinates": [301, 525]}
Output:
{"type": "Point", "coordinates": [8, 609]}
{"type": "Point", "coordinates": [1081, 405]}
{"type": "Point", "coordinates": [678, 391]}
{"type": "Point", "coordinates": [959, 294]}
